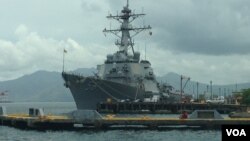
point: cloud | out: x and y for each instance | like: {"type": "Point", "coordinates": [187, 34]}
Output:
{"type": "Point", "coordinates": [93, 6]}
{"type": "Point", "coordinates": [188, 26]}
{"type": "Point", "coordinates": [203, 39]}
{"type": "Point", "coordinates": [32, 52]}
{"type": "Point", "coordinates": [21, 31]}
{"type": "Point", "coordinates": [221, 69]}
{"type": "Point", "coordinates": [209, 27]}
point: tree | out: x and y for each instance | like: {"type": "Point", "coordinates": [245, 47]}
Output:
{"type": "Point", "coordinates": [246, 96]}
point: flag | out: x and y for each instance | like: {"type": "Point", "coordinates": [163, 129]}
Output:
{"type": "Point", "coordinates": [64, 50]}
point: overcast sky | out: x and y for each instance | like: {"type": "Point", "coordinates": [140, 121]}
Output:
{"type": "Point", "coordinates": [203, 39]}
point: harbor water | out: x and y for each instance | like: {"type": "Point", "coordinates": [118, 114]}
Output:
{"type": "Point", "coordinates": [12, 134]}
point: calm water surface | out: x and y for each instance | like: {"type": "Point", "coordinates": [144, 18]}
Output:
{"type": "Point", "coordinates": [12, 134]}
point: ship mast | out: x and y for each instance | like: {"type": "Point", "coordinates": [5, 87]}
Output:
{"type": "Point", "coordinates": [123, 33]}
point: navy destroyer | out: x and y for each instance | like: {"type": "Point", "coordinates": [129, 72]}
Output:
{"type": "Point", "coordinates": [123, 76]}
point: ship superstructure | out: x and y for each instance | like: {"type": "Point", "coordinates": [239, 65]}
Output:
{"type": "Point", "coordinates": [123, 76]}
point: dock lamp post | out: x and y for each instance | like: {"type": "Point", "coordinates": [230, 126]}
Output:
{"type": "Point", "coordinates": [182, 87]}
{"type": "Point", "coordinates": [197, 91]}
{"type": "Point", "coordinates": [211, 88]}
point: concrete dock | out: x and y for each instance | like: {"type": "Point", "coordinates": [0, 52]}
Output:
{"type": "Point", "coordinates": [91, 119]}
{"type": "Point", "coordinates": [110, 122]}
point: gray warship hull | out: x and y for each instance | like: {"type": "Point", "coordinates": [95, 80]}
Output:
{"type": "Point", "coordinates": [89, 91]}
{"type": "Point", "coordinates": [123, 76]}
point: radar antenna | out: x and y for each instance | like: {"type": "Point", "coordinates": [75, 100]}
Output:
{"type": "Point", "coordinates": [123, 33]}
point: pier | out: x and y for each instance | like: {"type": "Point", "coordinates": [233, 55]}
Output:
{"type": "Point", "coordinates": [158, 107]}
{"type": "Point", "coordinates": [36, 120]}
{"type": "Point", "coordinates": [65, 123]}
